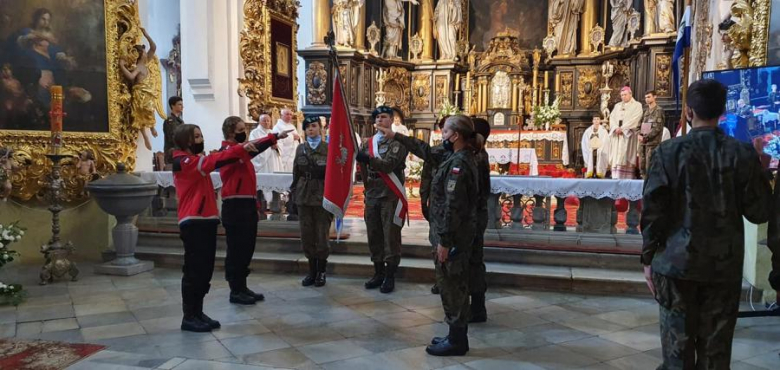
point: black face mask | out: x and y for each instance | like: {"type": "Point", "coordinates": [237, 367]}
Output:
{"type": "Point", "coordinates": [196, 148]}
{"type": "Point", "coordinates": [240, 138]}
{"type": "Point", "coordinates": [448, 145]}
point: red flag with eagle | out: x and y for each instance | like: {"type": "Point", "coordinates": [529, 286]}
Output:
{"type": "Point", "coordinates": [339, 173]}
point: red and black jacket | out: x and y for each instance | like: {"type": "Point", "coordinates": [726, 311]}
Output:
{"type": "Point", "coordinates": [238, 178]}
{"type": "Point", "coordinates": [192, 179]}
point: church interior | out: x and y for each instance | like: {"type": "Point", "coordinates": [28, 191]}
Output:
{"type": "Point", "coordinates": [95, 96]}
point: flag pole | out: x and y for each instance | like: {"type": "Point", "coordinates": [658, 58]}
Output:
{"type": "Point", "coordinates": [330, 40]}
{"type": "Point", "coordinates": [684, 87]}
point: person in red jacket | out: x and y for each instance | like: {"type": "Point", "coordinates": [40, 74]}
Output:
{"type": "Point", "coordinates": [198, 219]}
{"type": "Point", "coordinates": [239, 208]}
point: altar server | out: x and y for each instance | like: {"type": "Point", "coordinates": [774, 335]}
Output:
{"type": "Point", "coordinates": [624, 124]}
{"type": "Point", "coordinates": [239, 209]}
{"type": "Point", "coordinates": [595, 149]}
{"type": "Point", "coordinates": [382, 169]}
{"type": "Point", "coordinates": [198, 218]}
{"type": "Point", "coordinates": [308, 186]}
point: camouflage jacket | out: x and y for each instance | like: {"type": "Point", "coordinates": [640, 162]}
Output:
{"type": "Point", "coordinates": [437, 154]}
{"type": "Point", "coordinates": [654, 116]}
{"type": "Point", "coordinates": [454, 193]}
{"type": "Point", "coordinates": [309, 174]}
{"type": "Point", "coordinates": [393, 160]}
{"type": "Point", "coordinates": [697, 191]}
{"type": "Point", "coordinates": [483, 176]}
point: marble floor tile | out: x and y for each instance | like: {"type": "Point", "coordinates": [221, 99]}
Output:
{"type": "Point", "coordinates": [242, 346]}
{"type": "Point", "coordinates": [381, 308]}
{"type": "Point", "coordinates": [112, 331]}
{"type": "Point", "coordinates": [43, 313]}
{"type": "Point", "coordinates": [99, 308]}
{"type": "Point", "coordinates": [306, 336]}
{"type": "Point", "coordinates": [556, 357]}
{"type": "Point", "coordinates": [216, 365]}
{"type": "Point", "coordinates": [555, 333]}
{"type": "Point", "coordinates": [59, 325]}
{"type": "Point", "coordinates": [105, 319]}
{"type": "Point", "coordinates": [240, 329]}
{"type": "Point", "coordinates": [767, 361]}
{"type": "Point", "coordinates": [638, 361]}
{"type": "Point", "coordinates": [198, 350]}
{"type": "Point", "coordinates": [333, 351]}
{"type": "Point", "coordinates": [354, 328]}
{"type": "Point", "coordinates": [289, 358]}
{"type": "Point", "coordinates": [148, 313]}
{"type": "Point", "coordinates": [502, 363]}
{"type": "Point", "coordinates": [635, 339]}
{"type": "Point", "coordinates": [403, 320]}
{"type": "Point", "coordinates": [599, 349]}
{"type": "Point", "coordinates": [592, 325]}
{"type": "Point", "coordinates": [641, 316]}
{"type": "Point", "coordinates": [7, 330]}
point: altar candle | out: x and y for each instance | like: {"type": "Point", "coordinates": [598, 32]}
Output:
{"type": "Point", "coordinates": [468, 80]}
{"type": "Point", "coordinates": [546, 79]}
{"type": "Point", "coordinates": [56, 109]}
{"type": "Point", "coordinates": [557, 82]}
{"type": "Point", "coordinates": [457, 82]}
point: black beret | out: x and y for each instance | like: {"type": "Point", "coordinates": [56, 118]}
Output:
{"type": "Point", "coordinates": [382, 109]}
{"type": "Point", "coordinates": [309, 120]}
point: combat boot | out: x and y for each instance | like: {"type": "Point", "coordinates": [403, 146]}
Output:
{"type": "Point", "coordinates": [191, 322]}
{"type": "Point", "coordinates": [379, 276]}
{"type": "Point", "coordinates": [455, 344]}
{"type": "Point", "coordinates": [214, 324]}
{"type": "Point", "coordinates": [435, 289]}
{"type": "Point", "coordinates": [322, 266]}
{"type": "Point", "coordinates": [309, 279]}
{"type": "Point", "coordinates": [257, 296]}
{"type": "Point", "coordinates": [478, 310]}
{"type": "Point", "coordinates": [389, 284]}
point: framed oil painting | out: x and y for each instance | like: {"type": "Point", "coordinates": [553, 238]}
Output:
{"type": "Point", "coordinates": [525, 19]}
{"type": "Point", "coordinates": [282, 59]}
{"type": "Point", "coordinates": [39, 48]}
{"type": "Point", "coordinates": [76, 44]}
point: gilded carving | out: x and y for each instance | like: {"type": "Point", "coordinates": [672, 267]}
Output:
{"type": "Point", "coordinates": [397, 88]}
{"type": "Point", "coordinates": [663, 71]}
{"type": "Point", "coordinates": [758, 43]}
{"type": "Point", "coordinates": [316, 83]}
{"type": "Point", "coordinates": [421, 92]}
{"type": "Point", "coordinates": [255, 51]}
{"type": "Point", "coordinates": [109, 148]}
{"type": "Point", "coordinates": [440, 83]}
{"type": "Point", "coordinates": [566, 97]}
{"type": "Point", "coordinates": [620, 79]}
{"type": "Point", "coordinates": [353, 84]}
{"type": "Point", "coordinates": [587, 87]}
{"type": "Point", "coordinates": [367, 93]}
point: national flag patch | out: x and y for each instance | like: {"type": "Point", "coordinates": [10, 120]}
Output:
{"type": "Point", "coordinates": [456, 170]}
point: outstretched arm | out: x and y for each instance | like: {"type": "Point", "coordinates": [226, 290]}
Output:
{"type": "Point", "coordinates": [152, 45]}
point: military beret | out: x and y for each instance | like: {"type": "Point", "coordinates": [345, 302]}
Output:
{"type": "Point", "coordinates": [382, 109]}
{"type": "Point", "coordinates": [309, 120]}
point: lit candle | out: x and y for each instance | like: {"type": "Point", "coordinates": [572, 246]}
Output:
{"type": "Point", "coordinates": [56, 109]}
{"type": "Point", "coordinates": [557, 81]}
{"type": "Point", "coordinates": [546, 79]}
{"type": "Point", "coordinates": [457, 82]}
{"type": "Point", "coordinates": [468, 80]}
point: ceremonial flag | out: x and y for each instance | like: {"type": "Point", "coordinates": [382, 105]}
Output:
{"type": "Point", "coordinates": [342, 150]}
{"type": "Point", "coordinates": [683, 42]}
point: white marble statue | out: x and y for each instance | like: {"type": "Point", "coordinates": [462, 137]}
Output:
{"type": "Point", "coordinates": [621, 10]}
{"type": "Point", "coordinates": [499, 90]}
{"type": "Point", "coordinates": [564, 17]}
{"type": "Point", "coordinates": [346, 14]}
{"type": "Point", "coordinates": [448, 18]}
{"type": "Point", "coordinates": [393, 16]}
{"type": "Point", "coordinates": [665, 16]}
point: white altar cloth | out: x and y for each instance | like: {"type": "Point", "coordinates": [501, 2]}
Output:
{"type": "Point", "coordinates": [563, 187]}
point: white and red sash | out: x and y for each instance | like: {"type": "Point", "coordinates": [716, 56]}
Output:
{"type": "Point", "coordinates": [393, 183]}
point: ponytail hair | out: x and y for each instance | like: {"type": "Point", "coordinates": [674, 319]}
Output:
{"type": "Point", "coordinates": [465, 127]}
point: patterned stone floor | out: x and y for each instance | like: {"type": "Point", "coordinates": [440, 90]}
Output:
{"type": "Point", "coordinates": [342, 326]}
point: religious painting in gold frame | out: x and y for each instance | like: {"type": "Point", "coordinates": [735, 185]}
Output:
{"type": "Point", "coordinates": [282, 59]}
{"type": "Point", "coordinates": [111, 141]}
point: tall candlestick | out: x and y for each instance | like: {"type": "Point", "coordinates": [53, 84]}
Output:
{"type": "Point", "coordinates": [457, 82]}
{"type": "Point", "coordinates": [56, 109]}
{"type": "Point", "coordinates": [546, 79]}
{"type": "Point", "coordinates": [557, 82]}
{"type": "Point", "coordinates": [468, 80]}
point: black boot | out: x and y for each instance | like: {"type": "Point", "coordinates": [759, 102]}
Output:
{"type": "Point", "coordinates": [389, 284]}
{"type": "Point", "coordinates": [214, 324]}
{"type": "Point", "coordinates": [322, 266]}
{"type": "Point", "coordinates": [258, 296]}
{"type": "Point", "coordinates": [478, 310]}
{"type": "Point", "coordinates": [435, 289]}
{"type": "Point", "coordinates": [379, 276]}
{"type": "Point", "coordinates": [455, 344]}
{"type": "Point", "coordinates": [191, 322]}
{"type": "Point", "coordinates": [309, 279]}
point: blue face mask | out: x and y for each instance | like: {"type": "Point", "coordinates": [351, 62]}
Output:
{"type": "Point", "coordinates": [314, 142]}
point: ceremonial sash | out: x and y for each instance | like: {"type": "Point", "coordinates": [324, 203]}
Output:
{"type": "Point", "coordinates": [393, 183]}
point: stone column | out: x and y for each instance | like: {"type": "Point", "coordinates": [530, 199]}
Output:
{"type": "Point", "coordinates": [541, 214]}
{"type": "Point", "coordinates": [425, 19]}
{"type": "Point", "coordinates": [632, 218]}
{"type": "Point", "coordinates": [322, 18]}
{"type": "Point", "coordinates": [588, 21]}
{"type": "Point", "coordinates": [360, 34]}
{"type": "Point", "coordinates": [560, 214]}
{"type": "Point", "coordinates": [517, 213]}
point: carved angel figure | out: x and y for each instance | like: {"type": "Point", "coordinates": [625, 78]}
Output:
{"type": "Point", "coordinates": [7, 167]}
{"type": "Point", "coordinates": [394, 18]}
{"type": "Point", "coordinates": [346, 14]}
{"type": "Point", "coordinates": [740, 32]}
{"type": "Point", "coordinates": [146, 82]}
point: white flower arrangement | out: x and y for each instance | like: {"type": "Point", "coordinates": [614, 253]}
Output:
{"type": "Point", "coordinates": [546, 114]}
{"type": "Point", "coordinates": [447, 109]}
{"type": "Point", "coordinates": [10, 293]}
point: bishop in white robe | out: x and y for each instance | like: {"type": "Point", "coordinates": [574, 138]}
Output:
{"type": "Point", "coordinates": [287, 145]}
{"type": "Point", "coordinates": [595, 150]}
{"type": "Point", "coordinates": [624, 125]}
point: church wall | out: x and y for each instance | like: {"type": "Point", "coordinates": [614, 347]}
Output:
{"type": "Point", "coordinates": [87, 226]}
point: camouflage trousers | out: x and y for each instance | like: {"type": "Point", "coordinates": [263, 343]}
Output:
{"type": "Point", "coordinates": [384, 236]}
{"type": "Point", "coordinates": [452, 277]}
{"type": "Point", "coordinates": [645, 155]}
{"type": "Point", "coordinates": [315, 231]}
{"type": "Point", "coordinates": [477, 283]}
{"type": "Point", "coordinates": [697, 322]}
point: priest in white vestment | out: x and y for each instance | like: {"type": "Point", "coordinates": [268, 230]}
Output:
{"type": "Point", "coordinates": [268, 161]}
{"type": "Point", "coordinates": [287, 145]}
{"type": "Point", "coordinates": [624, 125]}
{"type": "Point", "coordinates": [595, 149]}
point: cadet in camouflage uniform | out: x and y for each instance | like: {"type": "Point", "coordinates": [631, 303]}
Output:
{"type": "Point", "coordinates": [308, 186]}
{"type": "Point", "coordinates": [654, 115]}
{"type": "Point", "coordinates": [426, 176]}
{"type": "Point", "coordinates": [384, 236]}
{"type": "Point", "coordinates": [477, 282]}
{"type": "Point", "coordinates": [698, 189]}
{"type": "Point", "coordinates": [453, 204]}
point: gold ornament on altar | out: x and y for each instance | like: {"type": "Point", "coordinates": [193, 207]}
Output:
{"type": "Point", "coordinates": [634, 23]}
{"type": "Point", "coordinates": [550, 45]}
{"type": "Point", "coordinates": [596, 38]}
{"type": "Point", "coordinates": [416, 46]}
{"type": "Point", "coordinates": [740, 33]}
{"type": "Point", "coordinates": [381, 77]}
{"type": "Point", "coordinates": [374, 35]}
